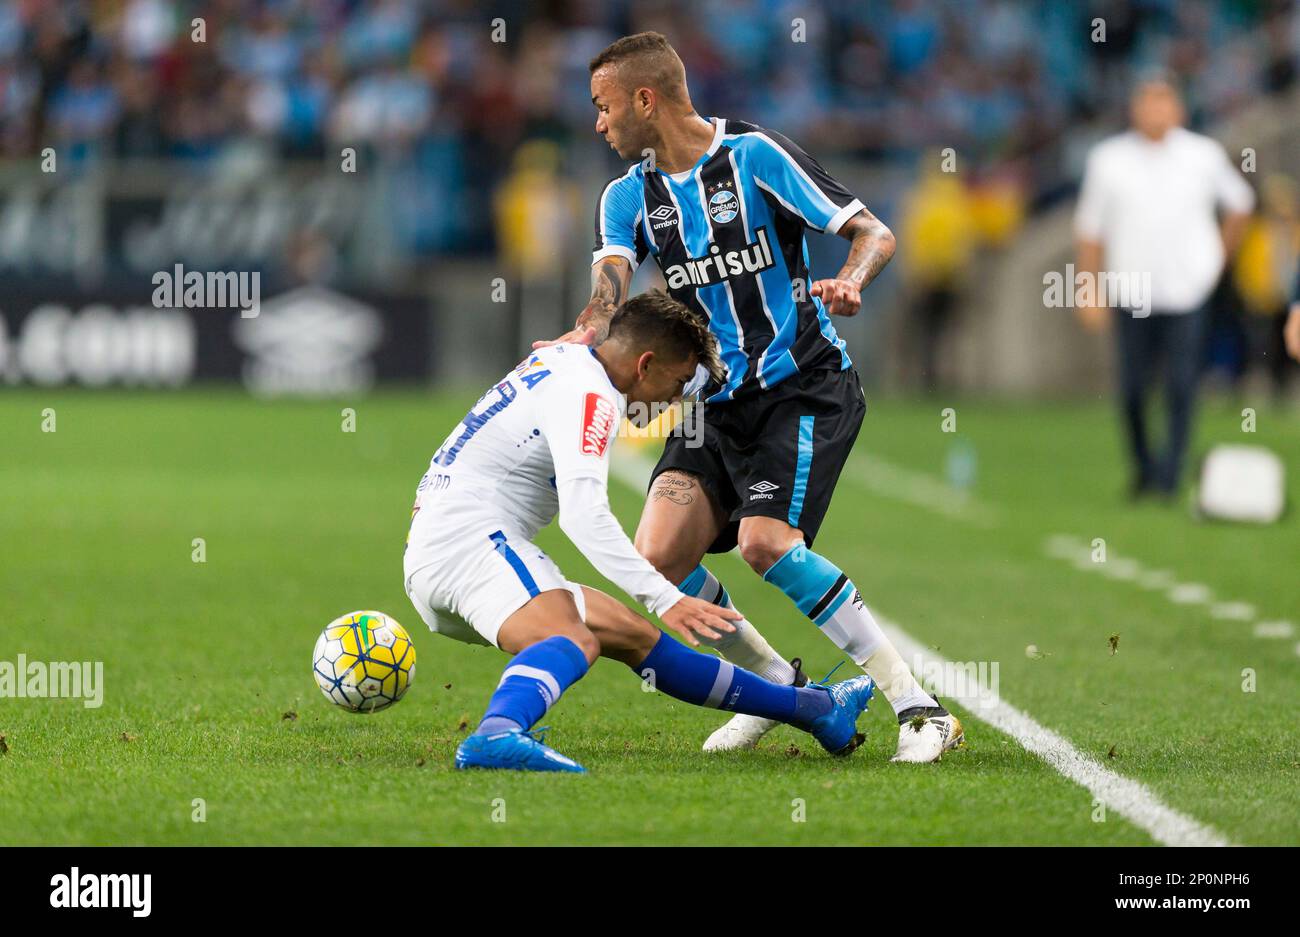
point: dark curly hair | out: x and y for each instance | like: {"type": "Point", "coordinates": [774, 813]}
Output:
{"type": "Point", "coordinates": [655, 320]}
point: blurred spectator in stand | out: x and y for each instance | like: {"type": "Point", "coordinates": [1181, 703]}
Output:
{"type": "Point", "coordinates": [1293, 321]}
{"type": "Point", "coordinates": [1265, 269]}
{"type": "Point", "coordinates": [935, 244]}
{"type": "Point", "coordinates": [535, 211]}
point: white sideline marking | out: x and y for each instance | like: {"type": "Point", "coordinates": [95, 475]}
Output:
{"type": "Point", "coordinates": [1074, 551]}
{"type": "Point", "coordinates": [1274, 629]}
{"type": "Point", "coordinates": [918, 489]}
{"type": "Point", "coordinates": [1190, 593]}
{"type": "Point", "coordinates": [1233, 611]}
{"type": "Point", "coordinates": [626, 464]}
{"type": "Point", "coordinates": [1156, 579]}
{"type": "Point", "coordinates": [1131, 799]}
{"type": "Point", "coordinates": [872, 472]}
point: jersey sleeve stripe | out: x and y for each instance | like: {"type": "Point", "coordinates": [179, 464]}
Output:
{"type": "Point", "coordinates": [829, 206]}
{"type": "Point", "coordinates": [844, 214]}
{"type": "Point", "coordinates": [615, 250]}
{"type": "Point", "coordinates": [777, 195]}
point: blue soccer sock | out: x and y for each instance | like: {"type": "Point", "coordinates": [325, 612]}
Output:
{"type": "Point", "coordinates": [744, 646]}
{"type": "Point", "coordinates": [532, 683]}
{"type": "Point", "coordinates": [705, 680]}
{"type": "Point", "coordinates": [826, 595]}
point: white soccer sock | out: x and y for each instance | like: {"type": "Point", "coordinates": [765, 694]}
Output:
{"type": "Point", "coordinates": [823, 592]}
{"type": "Point", "coordinates": [744, 647]}
{"type": "Point", "coordinates": [853, 628]}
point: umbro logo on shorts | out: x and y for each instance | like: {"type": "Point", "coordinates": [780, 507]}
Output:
{"type": "Point", "coordinates": [665, 216]}
{"type": "Point", "coordinates": [762, 491]}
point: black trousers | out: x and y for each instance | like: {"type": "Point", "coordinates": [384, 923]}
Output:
{"type": "Point", "coordinates": [1172, 343]}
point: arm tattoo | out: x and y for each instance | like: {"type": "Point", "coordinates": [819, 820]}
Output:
{"type": "Point", "coordinates": [606, 297]}
{"type": "Point", "coordinates": [873, 246]}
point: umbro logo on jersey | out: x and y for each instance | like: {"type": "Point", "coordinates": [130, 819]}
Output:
{"type": "Point", "coordinates": [717, 266]}
{"type": "Point", "coordinates": [598, 416]}
{"type": "Point", "coordinates": [762, 491]}
{"type": "Point", "coordinates": [665, 216]}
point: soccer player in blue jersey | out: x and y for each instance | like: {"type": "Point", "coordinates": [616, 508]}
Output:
{"type": "Point", "coordinates": [722, 206]}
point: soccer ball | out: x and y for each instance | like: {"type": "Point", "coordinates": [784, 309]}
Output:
{"type": "Point", "coordinates": [363, 661]}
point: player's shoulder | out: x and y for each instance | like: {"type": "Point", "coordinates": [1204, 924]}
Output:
{"type": "Point", "coordinates": [576, 367]}
{"type": "Point", "coordinates": [743, 135]}
{"type": "Point", "coordinates": [631, 180]}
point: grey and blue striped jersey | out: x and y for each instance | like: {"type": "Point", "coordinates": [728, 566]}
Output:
{"type": "Point", "coordinates": [728, 235]}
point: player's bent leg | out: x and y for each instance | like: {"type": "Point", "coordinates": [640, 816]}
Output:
{"type": "Point", "coordinates": [824, 593]}
{"type": "Point", "coordinates": [681, 519]}
{"type": "Point", "coordinates": [745, 647]}
{"type": "Point", "coordinates": [678, 523]}
{"type": "Point", "coordinates": [829, 713]}
{"type": "Point", "coordinates": [552, 650]}
{"type": "Point", "coordinates": [623, 635]}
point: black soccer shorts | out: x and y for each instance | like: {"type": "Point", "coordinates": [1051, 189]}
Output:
{"type": "Point", "coordinates": [777, 454]}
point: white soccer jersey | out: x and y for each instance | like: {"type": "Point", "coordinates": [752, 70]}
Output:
{"type": "Point", "coordinates": [552, 417]}
{"type": "Point", "coordinates": [536, 444]}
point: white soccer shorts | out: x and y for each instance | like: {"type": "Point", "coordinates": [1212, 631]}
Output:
{"type": "Point", "coordinates": [467, 582]}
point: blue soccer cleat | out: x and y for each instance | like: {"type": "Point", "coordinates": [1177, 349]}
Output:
{"type": "Point", "coordinates": [512, 750]}
{"type": "Point", "coordinates": [837, 731]}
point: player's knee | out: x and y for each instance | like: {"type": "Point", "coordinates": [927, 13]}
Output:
{"type": "Point", "coordinates": [664, 556]}
{"type": "Point", "coordinates": [587, 643]}
{"type": "Point", "coordinates": [578, 633]}
{"type": "Point", "coordinates": [761, 552]}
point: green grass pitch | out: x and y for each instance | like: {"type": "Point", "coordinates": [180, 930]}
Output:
{"type": "Point", "coordinates": [303, 522]}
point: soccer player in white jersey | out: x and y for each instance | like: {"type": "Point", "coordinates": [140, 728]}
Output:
{"type": "Point", "coordinates": [539, 442]}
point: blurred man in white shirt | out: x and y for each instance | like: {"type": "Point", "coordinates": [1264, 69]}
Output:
{"type": "Point", "coordinates": [1148, 209]}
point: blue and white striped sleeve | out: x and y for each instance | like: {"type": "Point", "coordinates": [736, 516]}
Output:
{"type": "Point", "coordinates": [618, 222]}
{"type": "Point", "coordinates": [796, 180]}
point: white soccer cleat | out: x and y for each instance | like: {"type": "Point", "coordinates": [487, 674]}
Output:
{"type": "Point", "coordinates": [924, 734]}
{"type": "Point", "coordinates": [742, 732]}
{"type": "Point", "coordinates": [739, 733]}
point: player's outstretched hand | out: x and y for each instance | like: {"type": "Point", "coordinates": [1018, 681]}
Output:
{"type": "Point", "coordinates": [692, 616]}
{"type": "Point", "coordinates": [582, 335]}
{"type": "Point", "coordinates": [840, 297]}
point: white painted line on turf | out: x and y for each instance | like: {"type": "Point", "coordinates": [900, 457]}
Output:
{"type": "Point", "coordinates": [1233, 611]}
{"type": "Point", "coordinates": [1190, 593]}
{"type": "Point", "coordinates": [1074, 551]}
{"type": "Point", "coordinates": [1131, 799]}
{"type": "Point", "coordinates": [1274, 629]}
{"type": "Point", "coordinates": [918, 489]}
{"type": "Point", "coordinates": [631, 468]}
{"type": "Point", "coordinates": [1156, 579]}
